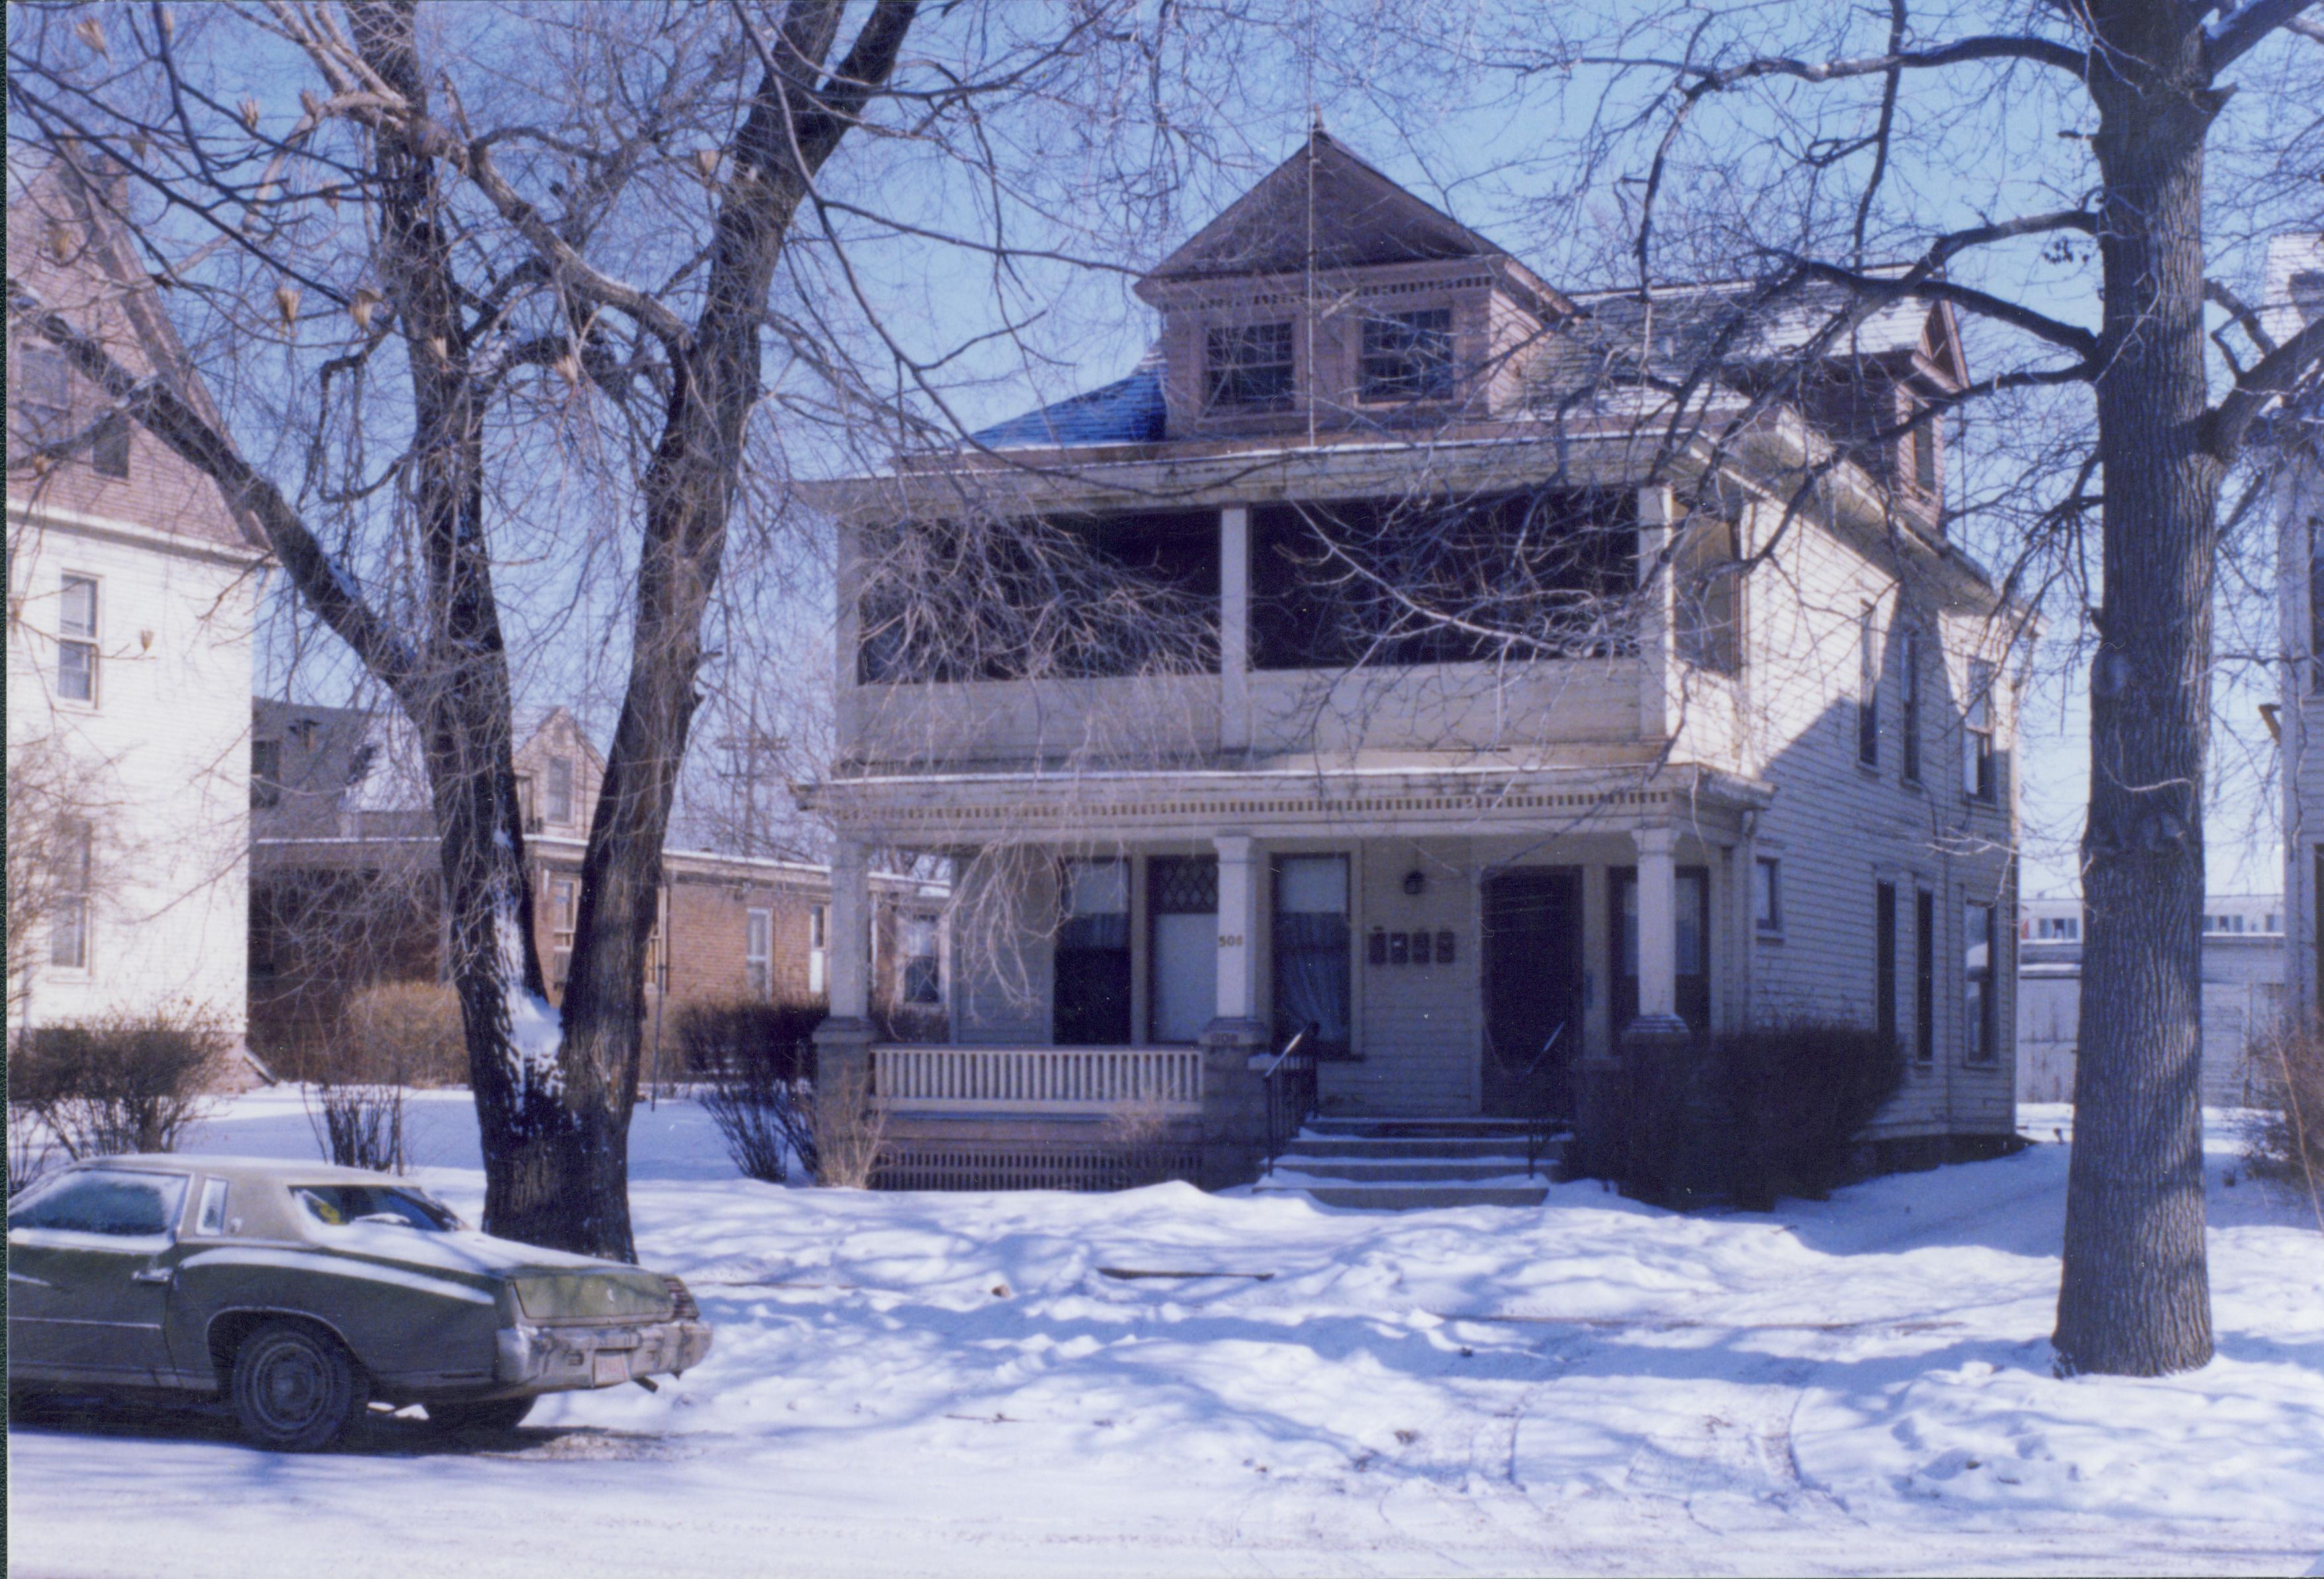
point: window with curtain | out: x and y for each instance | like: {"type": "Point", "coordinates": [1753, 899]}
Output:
{"type": "Point", "coordinates": [1310, 941]}
{"type": "Point", "coordinates": [1182, 910]}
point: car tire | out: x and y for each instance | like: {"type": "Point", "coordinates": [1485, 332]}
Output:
{"type": "Point", "coordinates": [490, 1417]}
{"type": "Point", "coordinates": [295, 1391]}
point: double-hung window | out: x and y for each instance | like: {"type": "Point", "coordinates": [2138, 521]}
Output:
{"type": "Point", "coordinates": [1867, 689]}
{"type": "Point", "coordinates": [1977, 983]}
{"type": "Point", "coordinates": [1979, 779]}
{"type": "Point", "coordinates": [1090, 1003]}
{"type": "Point", "coordinates": [818, 922]}
{"type": "Point", "coordinates": [77, 639]}
{"type": "Point", "coordinates": [562, 892]}
{"type": "Point", "coordinates": [1247, 366]}
{"type": "Point", "coordinates": [1406, 357]}
{"type": "Point", "coordinates": [923, 982]}
{"type": "Point", "coordinates": [759, 952]}
{"type": "Point", "coordinates": [70, 878]}
{"type": "Point", "coordinates": [1924, 977]}
{"type": "Point", "coordinates": [559, 808]}
{"type": "Point", "coordinates": [1767, 894]}
{"type": "Point", "coordinates": [1909, 719]}
{"type": "Point", "coordinates": [1884, 959]}
{"type": "Point", "coordinates": [40, 391]}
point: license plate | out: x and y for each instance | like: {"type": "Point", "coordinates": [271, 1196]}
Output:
{"type": "Point", "coordinates": [610, 1369]}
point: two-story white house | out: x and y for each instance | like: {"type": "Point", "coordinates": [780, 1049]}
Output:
{"type": "Point", "coordinates": [1479, 677]}
{"type": "Point", "coordinates": [132, 591]}
{"type": "Point", "coordinates": [2292, 295]}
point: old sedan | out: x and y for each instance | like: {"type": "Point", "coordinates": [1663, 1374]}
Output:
{"type": "Point", "coordinates": [303, 1292]}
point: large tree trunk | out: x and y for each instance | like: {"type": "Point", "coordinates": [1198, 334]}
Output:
{"type": "Point", "coordinates": [2136, 1297]}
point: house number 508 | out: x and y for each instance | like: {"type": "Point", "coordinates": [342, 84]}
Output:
{"type": "Point", "coordinates": [1229, 940]}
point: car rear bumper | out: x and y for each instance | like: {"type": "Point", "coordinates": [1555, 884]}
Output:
{"type": "Point", "coordinates": [560, 1358]}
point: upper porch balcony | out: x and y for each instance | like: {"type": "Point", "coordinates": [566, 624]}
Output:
{"type": "Point", "coordinates": [1536, 628]}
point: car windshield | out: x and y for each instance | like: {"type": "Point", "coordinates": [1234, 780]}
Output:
{"type": "Point", "coordinates": [341, 1204]}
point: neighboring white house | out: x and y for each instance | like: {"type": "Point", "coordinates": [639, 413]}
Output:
{"type": "Point", "coordinates": [2293, 296]}
{"type": "Point", "coordinates": [131, 593]}
{"type": "Point", "coordinates": [2244, 961]}
{"type": "Point", "coordinates": [1685, 759]}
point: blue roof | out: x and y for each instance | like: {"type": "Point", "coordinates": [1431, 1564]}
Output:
{"type": "Point", "coordinates": [1127, 411]}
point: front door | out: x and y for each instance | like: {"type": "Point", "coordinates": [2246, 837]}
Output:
{"type": "Point", "coordinates": [1532, 962]}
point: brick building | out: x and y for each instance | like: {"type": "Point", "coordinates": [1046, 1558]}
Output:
{"type": "Point", "coordinates": [344, 888]}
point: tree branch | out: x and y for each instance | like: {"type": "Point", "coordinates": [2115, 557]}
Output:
{"type": "Point", "coordinates": [2274, 375]}
{"type": "Point", "coordinates": [2249, 25]}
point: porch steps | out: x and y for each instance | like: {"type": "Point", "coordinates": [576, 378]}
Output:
{"type": "Point", "coordinates": [1405, 1164]}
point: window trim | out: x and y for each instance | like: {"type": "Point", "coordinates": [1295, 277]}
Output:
{"type": "Point", "coordinates": [74, 874]}
{"type": "Point", "coordinates": [1229, 380]}
{"type": "Point", "coordinates": [1980, 1048]}
{"type": "Point", "coordinates": [89, 641]}
{"type": "Point", "coordinates": [1767, 917]}
{"type": "Point", "coordinates": [1425, 354]}
{"type": "Point", "coordinates": [759, 951]}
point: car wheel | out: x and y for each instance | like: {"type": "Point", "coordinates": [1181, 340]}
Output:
{"type": "Point", "coordinates": [490, 1417]}
{"type": "Point", "coordinates": [294, 1389]}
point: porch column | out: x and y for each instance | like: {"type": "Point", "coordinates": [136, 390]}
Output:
{"type": "Point", "coordinates": [845, 1035]}
{"type": "Point", "coordinates": [1234, 1093]}
{"type": "Point", "coordinates": [1234, 628]}
{"type": "Point", "coordinates": [1657, 925]}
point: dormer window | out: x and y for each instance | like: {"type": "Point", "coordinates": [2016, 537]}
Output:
{"type": "Point", "coordinates": [1407, 356]}
{"type": "Point", "coordinates": [560, 791]}
{"type": "Point", "coordinates": [1247, 367]}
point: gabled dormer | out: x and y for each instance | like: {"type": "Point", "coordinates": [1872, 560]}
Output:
{"type": "Point", "coordinates": [1328, 297]}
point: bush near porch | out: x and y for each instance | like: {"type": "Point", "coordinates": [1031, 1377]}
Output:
{"type": "Point", "coordinates": [1745, 1115]}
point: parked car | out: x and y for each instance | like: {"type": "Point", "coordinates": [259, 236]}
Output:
{"type": "Point", "coordinates": [302, 1292]}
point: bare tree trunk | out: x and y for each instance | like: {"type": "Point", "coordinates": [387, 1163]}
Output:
{"type": "Point", "coordinates": [2136, 1296]}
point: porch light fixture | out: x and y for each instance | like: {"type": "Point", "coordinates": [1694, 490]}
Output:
{"type": "Point", "coordinates": [1415, 883]}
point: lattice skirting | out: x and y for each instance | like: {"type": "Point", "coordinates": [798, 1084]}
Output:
{"type": "Point", "coordinates": [980, 1165]}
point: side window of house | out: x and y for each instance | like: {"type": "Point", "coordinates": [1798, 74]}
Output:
{"type": "Point", "coordinates": [1924, 977]}
{"type": "Point", "coordinates": [1884, 959]}
{"type": "Point", "coordinates": [77, 636]}
{"type": "Point", "coordinates": [1090, 990]}
{"type": "Point", "coordinates": [1978, 778]}
{"type": "Point", "coordinates": [69, 897]}
{"type": "Point", "coordinates": [1767, 894]}
{"type": "Point", "coordinates": [818, 922]}
{"type": "Point", "coordinates": [562, 892]}
{"type": "Point", "coordinates": [1406, 357]}
{"type": "Point", "coordinates": [40, 395]}
{"type": "Point", "coordinates": [1247, 367]}
{"type": "Point", "coordinates": [1867, 689]}
{"type": "Point", "coordinates": [1977, 982]}
{"type": "Point", "coordinates": [265, 774]}
{"type": "Point", "coordinates": [1710, 597]}
{"type": "Point", "coordinates": [1908, 659]}
{"type": "Point", "coordinates": [559, 797]}
{"type": "Point", "coordinates": [759, 952]}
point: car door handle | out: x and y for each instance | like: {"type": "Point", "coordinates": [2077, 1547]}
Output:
{"type": "Point", "coordinates": [153, 1275]}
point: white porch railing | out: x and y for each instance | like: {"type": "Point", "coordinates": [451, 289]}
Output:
{"type": "Point", "coordinates": [1037, 1079]}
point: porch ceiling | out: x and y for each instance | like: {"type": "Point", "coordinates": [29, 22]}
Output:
{"type": "Point", "coordinates": [939, 809]}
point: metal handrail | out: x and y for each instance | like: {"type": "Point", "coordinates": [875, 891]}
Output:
{"type": "Point", "coordinates": [1289, 1048]}
{"type": "Point", "coordinates": [1283, 1122]}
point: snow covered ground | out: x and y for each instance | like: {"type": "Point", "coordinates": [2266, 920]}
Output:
{"type": "Point", "coordinates": [951, 1384]}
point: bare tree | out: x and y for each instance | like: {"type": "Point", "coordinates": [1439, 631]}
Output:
{"type": "Point", "coordinates": [504, 311]}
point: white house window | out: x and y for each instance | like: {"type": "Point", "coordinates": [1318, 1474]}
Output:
{"type": "Point", "coordinates": [1767, 894]}
{"type": "Point", "coordinates": [1909, 658]}
{"type": "Point", "coordinates": [41, 390]}
{"type": "Point", "coordinates": [1249, 366]}
{"type": "Point", "coordinates": [1867, 690]}
{"type": "Point", "coordinates": [265, 774]}
{"type": "Point", "coordinates": [759, 952]}
{"type": "Point", "coordinates": [69, 915]}
{"type": "Point", "coordinates": [1977, 983]}
{"type": "Point", "coordinates": [818, 922]}
{"type": "Point", "coordinates": [561, 908]}
{"type": "Point", "coordinates": [1978, 775]}
{"type": "Point", "coordinates": [1407, 356]}
{"type": "Point", "coordinates": [77, 639]}
{"type": "Point", "coordinates": [560, 791]}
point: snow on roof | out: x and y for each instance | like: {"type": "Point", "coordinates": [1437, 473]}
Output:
{"type": "Point", "coordinates": [1728, 323]}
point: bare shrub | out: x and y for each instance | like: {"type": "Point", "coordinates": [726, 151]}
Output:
{"type": "Point", "coordinates": [406, 1031]}
{"type": "Point", "coordinates": [119, 1083]}
{"type": "Point", "coordinates": [2283, 1138]}
{"type": "Point", "coordinates": [757, 1067]}
{"type": "Point", "coordinates": [1139, 1127]}
{"type": "Point", "coordinates": [850, 1128]}
{"type": "Point", "coordinates": [32, 1148]}
{"type": "Point", "coordinates": [360, 1124]}
{"type": "Point", "coordinates": [1799, 1094]}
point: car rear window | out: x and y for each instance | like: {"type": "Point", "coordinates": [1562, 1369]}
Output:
{"type": "Point", "coordinates": [126, 1206]}
{"type": "Point", "coordinates": [341, 1204]}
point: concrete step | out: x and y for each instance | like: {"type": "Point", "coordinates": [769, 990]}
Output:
{"type": "Point", "coordinates": [1411, 1197]}
{"type": "Point", "coordinates": [1385, 1129]}
{"type": "Point", "coordinates": [1378, 1146]}
{"type": "Point", "coordinates": [1357, 1170]}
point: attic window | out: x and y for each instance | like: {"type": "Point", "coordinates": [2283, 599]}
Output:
{"type": "Point", "coordinates": [1923, 440]}
{"type": "Point", "coordinates": [1407, 356]}
{"type": "Point", "coordinates": [42, 388]}
{"type": "Point", "coordinates": [1249, 366]}
{"type": "Point", "coordinates": [561, 790]}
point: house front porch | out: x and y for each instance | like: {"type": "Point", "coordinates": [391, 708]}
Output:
{"type": "Point", "coordinates": [1122, 989]}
